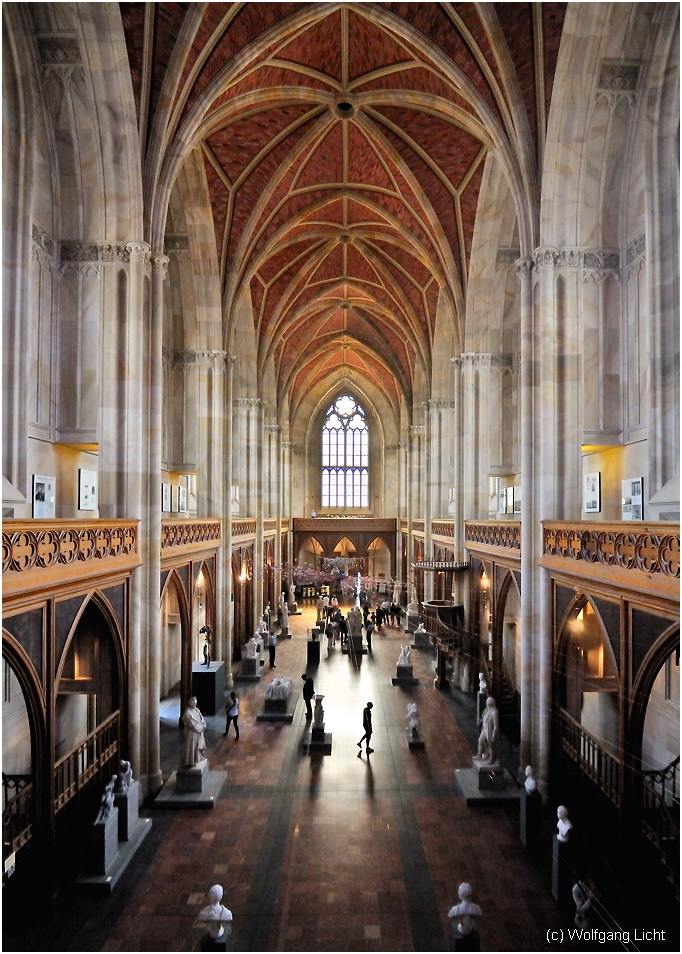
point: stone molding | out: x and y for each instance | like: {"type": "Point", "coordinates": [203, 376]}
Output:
{"type": "Point", "coordinates": [642, 549]}
{"type": "Point", "coordinates": [618, 75]}
{"type": "Point", "coordinates": [613, 98]}
{"type": "Point", "coordinates": [39, 547]}
{"type": "Point", "coordinates": [43, 239]}
{"type": "Point", "coordinates": [417, 430]}
{"type": "Point", "coordinates": [443, 528]}
{"type": "Point", "coordinates": [80, 269]}
{"type": "Point", "coordinates": [247, 402]}
{"type": "Point", "coordinates": [524, 269]}
{"type": "Point", "coordinates": [43, 258]}
{"type": "Point", "coordinates": [59, 49]}
{"type": "Point", "coordinates": [507, 257]}
{"type": "Point", "coordinates": [272, 428]}
{"type": "Point", "coordinates": [487, 359]}
{"type": "Point", "coordinates": [176, 244]}
{"type": "Point", "coordinates": [195, 357]}
{"type": "Point", "coordinates": [126, 253]}
{"type": "Point", "coordinates": [160, 265]}
{"type": "Point", "coordinates": [441, 405]}
{"type": "Point", "coordinates": [188, 532]}
{"type": "Point", "coordinates": [597, 265]}
{"type": "Point", "coordinates": [243, 528]}
{"type": "Point", "coordinates": [497, 533]}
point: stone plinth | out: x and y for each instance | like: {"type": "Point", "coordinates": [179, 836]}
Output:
{"type": "Point", "coordinates": [464, 942]}
{"type": "Point", "coordinates": [313, 656]}
{"type": "Point", "coordinates": [128, 805]}
{"type": "Point", "coordinates": [103, 844]}
{"type": "Point", "coordinates": [317, 733]}
{"type": "Point", "coordinates": [563, 871]}
{"type": "Point", "coordinates": [191, 778]}
{"type": "Point", "coordinates": [530, 818]}
{"type": "Point", "coordinates": [490, 775]}
{"type": "Point", "coordinates": [208, 685]}
{"type": "Point", "coordinates": [411, 622]}
{"type": "Point", "coordinates": [250, 667]}
{"type": "Point", "coordinates": [404, 676]}
{"type": "Point", "coordinates": [414, 741]}
{"type": "Point", "coordinates": [321, 746]}
{"type": "Point", "coordinates": [420, 639]}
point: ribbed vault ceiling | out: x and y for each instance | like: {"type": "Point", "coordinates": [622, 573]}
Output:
{"type": "Point", "coordinates": [344, 147]}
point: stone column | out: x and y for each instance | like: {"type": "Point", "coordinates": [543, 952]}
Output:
{"type": "Point", "coordinates": [225, 600]}
{"type": "Point", "coordinates": [428, 498]}
{"type": "Point", "coordinates": [460, 581]}
{"type": "Point", "coordinates": [258, 418]}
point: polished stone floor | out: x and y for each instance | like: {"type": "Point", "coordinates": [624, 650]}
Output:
{"type": "Point", "coordinates": [340, 852]}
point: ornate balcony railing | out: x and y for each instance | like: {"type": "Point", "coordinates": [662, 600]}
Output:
{"type": "Point", "coordinates": [500, 534]}
{"type": "Point", "coordinates": [94, 759]}
{"type": "Point", "coordinates": [189, 533]}
{"type": "Point", "coordinates": [243, 528]}
{"type": "Point", "coordinates": [649, 548]}
{"type": "Point", "coordinates": [443, 528]}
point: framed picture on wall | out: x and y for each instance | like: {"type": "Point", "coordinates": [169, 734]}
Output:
{"type": "Point", "coordinates": [592, 492]}
{"type": "Point", "coordinates": [43, 496]}
{"type": "Point", "coordinates": [87, 489]}
{"type": "Point", "coordinates": [182, 499]}
{"type": "Point", "coordinates": [165, 498]}
{"type": "Point", "coordinates": [632, 499]}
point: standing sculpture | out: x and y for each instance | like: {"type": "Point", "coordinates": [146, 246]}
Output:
{"type": "Point", "coordinates": [489, 739]}
{"type": "Point", "coordinates": [530, 784]}
{"type": "Point", "coordinates": [405, 656]}
{"type": "Point", "coordinates": [107, 802]}
{"type": "Point", "coordinates": [413, 719]}
{"type": "Point", "coordinates": [195, 743]}
{"type": "Point", "coordinates": [318, 718]}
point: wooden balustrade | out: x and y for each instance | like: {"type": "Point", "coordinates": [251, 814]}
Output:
{"type": "Point", "coordinates": [592, 760]}
{"type": "Point", "coordinates": [18, 812]}
{"type": "Point", "coordinates": [96, 757]}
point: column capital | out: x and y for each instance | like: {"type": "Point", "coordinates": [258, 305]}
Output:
{"type": "Point", "coordinates": [160, 265]}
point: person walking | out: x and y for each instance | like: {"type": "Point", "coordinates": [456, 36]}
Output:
{"type": "Point", "coordinates": [367, 726]}
{"type": "Point", "coordinates": [232, 714]}
{"type": "Point", "coordinates": [379, 615]}
{"type": "Point", "coordinates": [308, 693]}
{"type": "Point", "coordinates": [272, 649]}
{"type": "Point", "coordinates": [369, 629]}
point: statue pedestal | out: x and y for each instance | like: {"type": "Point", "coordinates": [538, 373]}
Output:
{"type": "Point", "coordinates": [464, 942]}
{"type": "Point", "coordinates": [313, 652]}
{"type": "Point", "coordinates": [490, 775]}
{"type": "Point", "coordinates": [128, 805]}
{"type": "Point", "coordinates": [208, 685]}
{"type": "Point", "coordinates": [223, 943]}
{"type": "Point", "coordinates": [411, 622]}
{"type": "Point", "coordinates": [563, 871]}
{"type": "Point", "coordinates": [404, 676]}
{"type": "Point", "coordinates": [191, 778]}
{"type": "Point", "coordinates": [414, 741]}
{"type": "Point", "coordinates": [530, 819]}
{"type": "Point", "coordinates": [250, 667]}
{"type": "Point", "coordinates": [285, 634]}
{"type": "Point", "coordinates": [279, 710]}
{"type": "Point", "coordinates": [355, 643]}
{"type": "Point", "coordinates": [320, 741]}
{"type": "Point", "coordinates": [481, 700]}
{"type": "Point", "coordinates": [293, 609]}
{"type": "Point", "coordinates": [103, 844]}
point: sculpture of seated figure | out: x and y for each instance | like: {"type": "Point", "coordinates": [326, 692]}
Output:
{"type": "Point", "coordinates": [107, 803]}
{"type": "Point", "coordinates": [466, 912]}
{"type": "Point", "coordinates": [279, 688]}
{"type": "Point", "coordinates": [564, 824]}
{"type": "Point", "coordinates": [420, 631]}
{"type": "Point", "coordinates": [413, 606]}
{"type": "Point", "coordinates": [215, 915]}
{"type": "Point", "coordinates": [413, 719]}
{"type": "Point", "coordinates": [251, 648]}
{"type": "Point", "coordinates": [405, 656]}
{"type": "Point", "coordinates": [489, 739]}
{"type": "Point", "coordinates": [530, 784]}
{"type": "Point", "coordinates": [195, 743]}
{"type": "Point", "coordinates": [124, 779]}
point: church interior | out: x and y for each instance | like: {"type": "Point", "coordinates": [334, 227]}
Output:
{"type": "Point", "coordinates": [314, 311]}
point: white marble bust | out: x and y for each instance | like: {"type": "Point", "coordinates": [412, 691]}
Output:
{"type": "Point", "coordinates": [564, 824]}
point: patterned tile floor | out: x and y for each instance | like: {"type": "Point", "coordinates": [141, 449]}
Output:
{"type": "Point", "coordinates": [326, 853]}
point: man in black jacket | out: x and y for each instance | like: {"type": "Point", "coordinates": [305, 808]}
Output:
{"type": "Point", "coordinates": [308, 693]}
{"type": "Point", "coordinates": [367, 726]}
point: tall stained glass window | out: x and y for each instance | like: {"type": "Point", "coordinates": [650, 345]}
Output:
{"type": "Point", "coordinates": [345, 456]}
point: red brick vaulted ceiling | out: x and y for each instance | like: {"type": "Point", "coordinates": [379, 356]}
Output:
{"type": "Point", "coordinates": [346, 222]}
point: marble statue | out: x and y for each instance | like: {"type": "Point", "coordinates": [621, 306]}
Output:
{"type": "Point", "coordinates": [279, 688]}
{"type": "Point", "coordinates": [354, 620]}
{"type": "Point", "coordinates": [564, 823]}
{"type": "Point", "coordinates": [482, 684]}
{"type": "Point", "coordinates": [405, 656]}
{"type": "Point", "coordinates": [195, 743]}
{"type": "Point", "coordinates": [107, 803]}
{"type": "Point", "coordinates": [396, 592]}
{"type": "Point", "coordinates": [582, 898]}
{"type": "Point", "coordinates": [318, 715]}
{"type": "Point", "coordinates": [124, 779]}
{"type": "Point", "coordinates": [215, 915]}
{"type": "Point", "coordinates": [420, 631]}
{"type": "Point", "coordinates": [292, 593]}
{"type": "Point", "coordinates": [530, 784]}
{"type": "Point", "coordinates": [413, 718]}
{"type": "Point", "coordinates": [285, 617]}
{"type": "Point", "coordinates": [466, 912]}
{"type": "Point", "coordinates": [251, 648]}
{"type": "Point", "coordinates": [413, 606]}
{"type": "Point", "coordinates": [489, 739]}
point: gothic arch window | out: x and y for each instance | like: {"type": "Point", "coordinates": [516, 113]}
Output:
{"type": "Point", "coordinates": [345, 455]}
